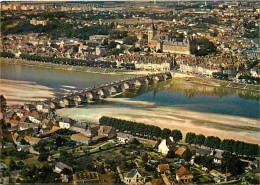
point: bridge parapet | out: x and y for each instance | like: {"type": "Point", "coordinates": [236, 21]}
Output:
{"type": "Point", "coordinates": [107, 90]}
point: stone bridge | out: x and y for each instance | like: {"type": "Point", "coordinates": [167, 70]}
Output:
{"type": "Point", "coordinates": [107, 90]}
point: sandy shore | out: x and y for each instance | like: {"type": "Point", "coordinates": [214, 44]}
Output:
{"type": "Point", "coordinates": [20, 92]}
{"type": "Point", "coordinates": [223, 126]}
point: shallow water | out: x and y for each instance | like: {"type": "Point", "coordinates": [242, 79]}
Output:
{"type": "Point", "coordinates": [175, 93]}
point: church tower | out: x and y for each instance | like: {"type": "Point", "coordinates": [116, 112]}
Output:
{"type": "Point", "coordinates": [151, 32]}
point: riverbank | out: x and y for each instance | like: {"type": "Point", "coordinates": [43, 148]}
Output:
{"type": "Point", "coordinates": [209, 124]}
{"type": "Point", "coordinates": [20, 92]}
{"type": "Point", "coordinates": [222, 83]}
{"type": "Point", "coordinates": [107, 71]}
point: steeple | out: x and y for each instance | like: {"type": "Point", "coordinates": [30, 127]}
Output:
{"type": "Point", "coordinates": [151, 32]}
{"type": "Point", "coordinates": [152, 27]}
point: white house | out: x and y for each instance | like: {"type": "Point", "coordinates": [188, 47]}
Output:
{"type": "Point", "coordinates": [41, 106]}
{"type": "Point", "coordinates": [34, 117]}
{"type": "Point", "coordinates": [61, 166]}
{"type": "Point", "coordinates": [66, 123]}
{"type": "Point", "coordinates": [166, 145]}
{"type": "Point", "coordinates": [135, 176]}
{"type": "Point", "coordinates": [218, 156]}
{"type": "Point", "coordinates": [124, 138]}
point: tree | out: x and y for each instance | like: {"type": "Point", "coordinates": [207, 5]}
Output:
{"type": "Point", "coordinates": [190, 137]}
{"type": "Point", "coordinates": [105, 42]}
{"type": "Point", "coordinates": [212, 142]}
{"type": "Point", "coordinates": [23, 142]}
{"type": "Point", "coordinates": [112, 45]}
{"type": "Point", "coordinates": [20, 165]}
{"type": "Point", "coordinates": [12, 165]}
{"type": "Point", "coordinates": [123, 165]}
{"type": "Point", "coordinates": [187, 155]}
{"type": "Point", "coordinates": [43, 156]}
{"type": "Point", "coordinates": [199, 139]}
{"type": "Point", "coordinates": [206, 47]}
{"type": "Point", "coordinates": [66, 171]}
{"type": "Point", "coordinates": [232, 164]}
{"type": "Point", "coordinates": [101, 169]}
{"type": "Point", "coordinates": [130, 40]}
{"type": "Point", "coordinates": [165, 133]}
{"type": "Point", "coordinates": [228, 145]}
{"type": "Point", "coordinates": [59, 141]}
{"type": "Point", "coordinates": [177, 135]}
{"type": "Point", "coordinates": [171, 154]}
{"type": "Point", "coordinates": [145, 158]}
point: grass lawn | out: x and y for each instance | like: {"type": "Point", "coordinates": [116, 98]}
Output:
{"type": "Point", "coordinates": [33, 159]}
{"type": "Point", "coordinates": [105, 179]}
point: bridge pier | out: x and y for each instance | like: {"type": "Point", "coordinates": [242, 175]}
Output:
{"type": "Point", "coordinates": [108, 90]}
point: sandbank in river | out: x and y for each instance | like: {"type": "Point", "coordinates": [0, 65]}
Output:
{"type": "Point", "coordinates": [223, 126]}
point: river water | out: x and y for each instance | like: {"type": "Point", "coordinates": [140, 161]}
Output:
{"type": "Point", "coordinates": [175, 93]}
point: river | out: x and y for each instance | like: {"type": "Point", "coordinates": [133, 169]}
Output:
{"type": "Point", "coordinates": [177, 93]}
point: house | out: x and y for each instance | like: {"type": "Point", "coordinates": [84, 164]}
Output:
{"type": "Point", "coordinates": [66, 123]}
{"type": "Point", "coordinates": [14, 123]}
{"type": "Point", "coordinates": [183, 175]}
{"type": "Point", "coordinates": [61, 166]}
{"type": "Point", "coordinates": [218, 156]}
{"type": "Point", "coordinates": [92, 131]}
{"type": "Point", "coordinates": [192, 149]}
{"type": "Point", "coordinates": [47, 123]}
{"type": "Point", "coordinates": [47, 132]}
{"type": "Point", "coordinates": [219, 177]}
{"type": "Point", "coordinates": [43, 107]}
{"type": "Point", "coordinates": [25, 126]}
{"type": "Point", "coordinates": [34, 117]}
{"type": "Point", "coordinates": [81, 138]}
{"type": "Point", "coordinates": [32, 140]}
{"type": "Point", "coordinates": [163, 168]}
{"type": "Point", "coordinates": [134, 177]}
{"type": "Point", "coordinates": [20, 112]}
{"type": "Point", "coordinates": [107, 131]}
{"type": "Point", "coordinates": [44, 130]}
{"type": "Point", "coordinates": [124, 138]}
{"type": "Point", "coordinates": [10, 116]}
{"type": "Point", "coordinates": [181, 150]}
{"type": "Point", "coordinates": [99, 138]}
{"type": "Point", "coordinates": [29, 107]}
{"type": "Point", "coordinates": [24, 118]}
{"type": "Point", "coordinates": [79, 127]}
{"type": "Point", "coordinates": [166, 145]}
{"type": "Point", "coordinates": [202, 151]}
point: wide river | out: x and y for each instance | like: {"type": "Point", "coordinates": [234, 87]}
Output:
{"type": "Point", "coordinates": [178, 98]}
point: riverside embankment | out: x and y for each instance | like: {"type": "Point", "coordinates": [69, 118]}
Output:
{"type": "Point", "coordinates": [109, 71]}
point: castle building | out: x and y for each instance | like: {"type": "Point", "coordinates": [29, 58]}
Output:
{"type": "Point", "coordinates": [167, 44]}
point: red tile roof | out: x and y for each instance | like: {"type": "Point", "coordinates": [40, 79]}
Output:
{"type": "Point", "coordinates": [182, 171]}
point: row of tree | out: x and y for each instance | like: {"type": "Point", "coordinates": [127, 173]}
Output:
{"type": "Point", "coordinates": [67, 61]}
{"type": "Point", "coordinates": [7, 55]}
{"type": "Point", "coordinates": [155, 132]}
{"type": "Point", "coordinates": [220, 75]}
{"type": "Point", "coordinates": [230, 145]}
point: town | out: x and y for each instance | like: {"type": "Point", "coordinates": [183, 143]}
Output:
{"type": "Point", "coordinates": [218, 40]}
{"type": "Point", "coordinates": [217, 43]}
